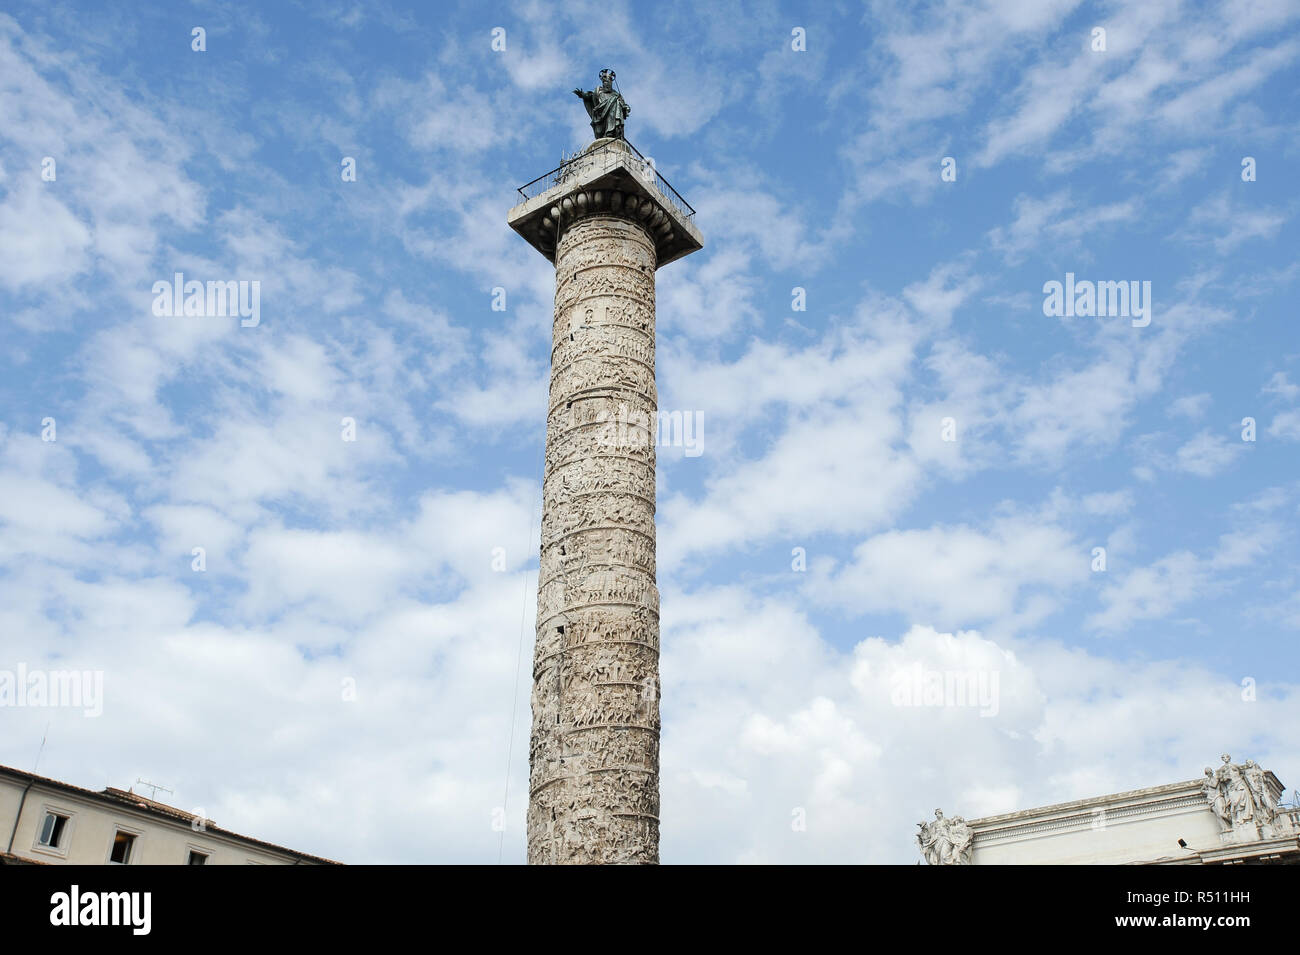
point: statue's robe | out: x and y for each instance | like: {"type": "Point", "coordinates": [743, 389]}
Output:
{"type": "Point", "coordinates": [1240, 799]}
{"type": "Point", "coordinates": [607, 111]}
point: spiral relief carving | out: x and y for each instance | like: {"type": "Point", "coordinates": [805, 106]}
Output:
{"type": "Point", "coordinates": [594, 757]}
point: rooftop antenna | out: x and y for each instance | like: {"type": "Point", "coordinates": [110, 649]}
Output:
{"type": "Point", "coordinates": [42, 749]}
{"type": "Point", "coordinates": [153, 786]}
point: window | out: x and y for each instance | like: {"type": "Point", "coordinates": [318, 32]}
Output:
{"type": "Point", "coordinates": [123, 843]}
{"type": "Point", "coordinates": [52, 830]}
{"type": "Point", "coordinates": [197, 858]}
{"type": "Point", "coordinates": [55, 828]}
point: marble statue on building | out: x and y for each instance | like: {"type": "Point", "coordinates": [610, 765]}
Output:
{"type": "Point", "coordinates": [945, 841]}
{"type": "Point", "coordinates": [1240, 797]}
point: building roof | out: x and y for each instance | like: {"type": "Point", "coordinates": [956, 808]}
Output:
{"type": "Point", "coordinates": [10, 858]}
{"type": "Point", "coordinates": [1150, 792]}
{"type": "Point", "coordinates": [130, 800]}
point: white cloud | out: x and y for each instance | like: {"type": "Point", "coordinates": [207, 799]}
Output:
{"type": "Point", "coordinates": [40, 239]}
{"type": "Point", "coordinates": [825, 739]}
{"type": "Point", "coordinates": [961, 576]}
{"type": "Point", "coordinates": [1157, 590]}
{"type": "Point", "coordinates": [1059, 220]}
{"type": "Point", "coordinates": [1226, 223]}
{"type": "Point", "coordinates": [1285, 426]}
{"type": "Point", "coordinates": [1206, 454]}
{"type": "Point", "coordinates": [1279, 385]}
{"type": "Point", "coordinates": [1191, 406]}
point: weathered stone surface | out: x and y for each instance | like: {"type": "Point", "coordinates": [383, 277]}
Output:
{"type": "Point", "coordinates": [594, 761]}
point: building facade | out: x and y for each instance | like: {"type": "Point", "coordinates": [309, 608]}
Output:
{"type": "Point", "coordinates": [1229, 815]}
{"type": "Point", "coordinates": [55, 823]}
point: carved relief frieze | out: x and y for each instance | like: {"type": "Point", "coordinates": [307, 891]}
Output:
{"type": "Point", "coordinates": [594, 754]}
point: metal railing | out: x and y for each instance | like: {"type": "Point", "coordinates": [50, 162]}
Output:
{"type": "Point", "coordinates": [607, 157]}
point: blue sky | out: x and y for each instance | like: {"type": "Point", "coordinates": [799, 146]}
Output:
{"type": "Point", "coordinates": [370, 561]}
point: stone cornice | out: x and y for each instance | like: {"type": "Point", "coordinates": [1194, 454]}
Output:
{"type": "Point", "coordinates": [1170, 798]}
{"type": "Point", "coordinates": [1189, 784]}
{"type": "Point", "coordinates": [1082, 813]}
{"type": "Point", "coordinates": [608, 179]}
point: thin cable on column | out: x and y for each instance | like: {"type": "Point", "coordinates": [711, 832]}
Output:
{"type": "Point", "coordinates": [519, 653]}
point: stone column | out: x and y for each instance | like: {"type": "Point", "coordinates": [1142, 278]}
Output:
{"type": "Point", "coordinates": [594, 758]}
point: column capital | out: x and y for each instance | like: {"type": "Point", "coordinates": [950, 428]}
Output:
{"type": "Point", "coordinates": [609, 177]}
